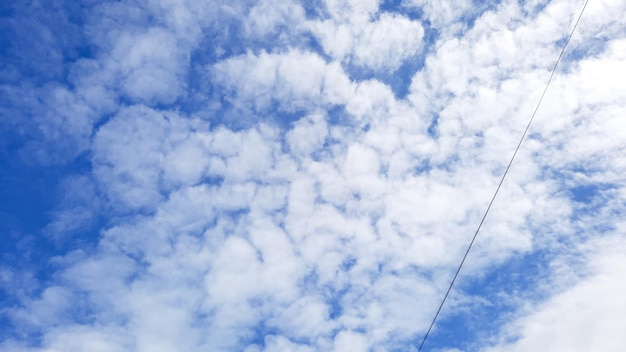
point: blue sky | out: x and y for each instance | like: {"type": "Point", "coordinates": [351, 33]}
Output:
{"type": "Point", "coordinates": [306, 175]}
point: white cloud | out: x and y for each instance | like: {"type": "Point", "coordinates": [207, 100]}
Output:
{"type": "Point", "coordinates": [128, 152]}
{"type": "Point", "coordinates": [306, 317]}
{"type": "Point", "coordinates": [587, 316]}
{"type": "Point", "coordinates": [384, 43]}
{"type": "Point", "coordinates": [281, 344]}
{"type": "Point", "coordinates": [296, 79]}
{"type": "Point", "coordinates": [350, 341]}
{"type": "Point", "coordinates": [308, 135]}
{"type": "Point", "coordinates": [316, 235]}
{"type": "Point", "coordinates": [58, 119]}
{"type": "Point", "coordinates": [352, 10]}
{"type": "Point", "coordinates": [149, 65]}
{"type": "Point", "coordinates": [444, 15]}
{"type": "Point", "coordinates": [267, 17]}
{"type": "Point", "coordinates": [79, 338]}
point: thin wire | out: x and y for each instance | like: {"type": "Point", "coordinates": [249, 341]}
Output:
{"type": "Point", "coordinates": [503, 177]}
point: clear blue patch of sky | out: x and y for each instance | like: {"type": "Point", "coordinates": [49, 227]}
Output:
{"type": "Point", "coordinates": [28, 197]}
{"type": "Point", "coordinates": [432, 129]}
{"type": "Point", "coordinates": [310, 43]}
{"type": "Point", "coordinates": [334, 298]}
{"type": "Point", "coordinates": [7, 13]}
{"type": "Point", "coordinates": [348, 264]}
{"type": "Point", "coordinates": [39, 43]}
{"type": "Point", "coordinates": [478, 321]}
{"type": "Point", "coordinates": [423, 166]}
{"type": "Point", "coordinates": [40, 38]}
{"type": "Point", "coordinates": [29, 194]}
{"type": "Point", "coordinates": [260, 332]}
{"type": "Point", "coordinates": [588, 48]}
{"type": "Point", "coordinates": [281, 116]}
{"type": "Point", "coordinates": [559, 43]}
{"type": "Point", "coordinates": [585, 193]}
{"type": "Point", "coordinates": [398, 80]}
{"type": "Point", "coordinates": [337, 115]}
{"type": "Point", "coordinates": [588, 197]}
{"type": "Point", "coordinates": [314, 9]}
{"type": "Point", "coordinates": [590, 200]}
{"type": "Point", "coordinates": [398, 6]}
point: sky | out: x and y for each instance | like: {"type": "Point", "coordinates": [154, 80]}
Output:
{"type": "Point", "coordinates": [266, 176]}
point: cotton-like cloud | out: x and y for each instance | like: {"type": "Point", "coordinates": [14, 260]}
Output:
{"type": "Point", "coordinates": [382, 42]}
{"type": "Point", "coordinates": [267, 17]}
{"type": "Point", "coordinates": [584, 317]}
{"type": "Point", "coordinates": [295, 208]}
{"type": "Point", "coordinates": [297, 80]}
{"type": "Point", "coordinates": [445, 15]}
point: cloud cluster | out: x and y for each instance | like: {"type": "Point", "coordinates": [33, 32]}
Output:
{"type": "Point", "coordinates": [338, 228]}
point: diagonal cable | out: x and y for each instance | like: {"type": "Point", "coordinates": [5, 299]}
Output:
{"type": "Point", "coordinates": [495, 194]}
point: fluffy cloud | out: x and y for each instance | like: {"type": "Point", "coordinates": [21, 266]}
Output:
{"type": "Point", "coordinates": [357, 35]}
{"type": "Point", "coordinates": [303, 210]}
{"type": "Point", "coordinates": [586, 316]}
{"type": "Point", "coordinates": [296, 80]}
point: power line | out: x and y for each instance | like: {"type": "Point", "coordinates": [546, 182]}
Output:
{"type": "Point", "coordinates": [532, 117]}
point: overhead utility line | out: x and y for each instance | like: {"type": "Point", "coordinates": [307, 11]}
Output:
{"type": "Point", "coordinates": [502, 179]}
